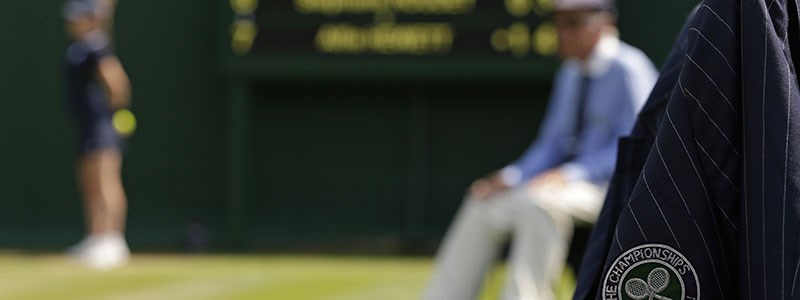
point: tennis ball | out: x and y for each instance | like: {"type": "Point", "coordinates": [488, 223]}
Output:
{"type": "Point", "coordinates": [124, 122]}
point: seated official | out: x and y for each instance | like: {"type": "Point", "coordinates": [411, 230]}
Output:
{"type": "Point", "coordinates": [562, 177]}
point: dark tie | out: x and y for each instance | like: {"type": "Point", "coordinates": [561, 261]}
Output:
{"type": "Point", "coordinates": [580, 115]}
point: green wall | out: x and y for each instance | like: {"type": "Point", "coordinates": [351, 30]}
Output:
{"type": "Point", "coordinates": [353, 162]}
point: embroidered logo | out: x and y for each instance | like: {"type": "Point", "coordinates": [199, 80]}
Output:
{"type": "Point", "coordinates": [651, 271]}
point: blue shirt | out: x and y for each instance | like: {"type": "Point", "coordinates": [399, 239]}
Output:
{"type": "Point", "coordinates": [621, 78]}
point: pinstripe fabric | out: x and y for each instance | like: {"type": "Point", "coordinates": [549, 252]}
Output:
{"type": "Point", "coordinates": [720, 180]}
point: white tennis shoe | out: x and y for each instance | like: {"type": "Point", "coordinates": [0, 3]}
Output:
{"type": "Point", "coordinates": [101, 252]}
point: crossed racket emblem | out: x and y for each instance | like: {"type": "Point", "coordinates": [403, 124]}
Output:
{"type": "Point", "coordinates": [657, 282]}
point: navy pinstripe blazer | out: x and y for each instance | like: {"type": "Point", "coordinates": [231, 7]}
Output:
{"type": "Point", "coordinates": [712, 207]}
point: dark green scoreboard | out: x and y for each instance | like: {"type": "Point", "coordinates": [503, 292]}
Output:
{"type": "Point", "coordinates": [385, 39]}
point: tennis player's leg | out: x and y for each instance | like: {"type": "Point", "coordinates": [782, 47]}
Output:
{"type": "Point", "coordinates": [91, 194]}
{"type": "Point", "coordinates": [105, 204]}
{"type": "Point", "coordinates": [113, 193]}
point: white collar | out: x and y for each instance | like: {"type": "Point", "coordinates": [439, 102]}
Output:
{"type": "Point", "coordinates": [601, 57]}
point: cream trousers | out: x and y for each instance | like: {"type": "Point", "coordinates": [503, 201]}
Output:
{"type": "Point", "coordinates": [539, 222]}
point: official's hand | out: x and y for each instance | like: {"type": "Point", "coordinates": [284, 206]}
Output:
{"type": "Point", "coordinates": [485, 187]}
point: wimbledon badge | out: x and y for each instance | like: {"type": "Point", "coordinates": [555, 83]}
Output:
{"type": "Point", "coordinates": [651, 271]}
